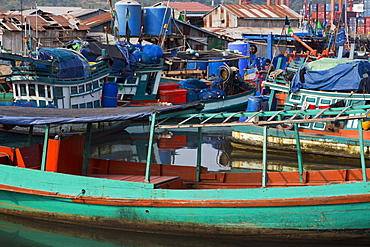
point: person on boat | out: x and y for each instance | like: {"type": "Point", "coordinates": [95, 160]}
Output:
{"type": "Point", "coordinates": [264, 73]}
{"type": "Point", "coordinates": [268, 68]}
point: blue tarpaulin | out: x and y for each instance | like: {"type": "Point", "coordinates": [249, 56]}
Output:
{"type": "Point", "coordinates": [70, 64]}
{"type": "Point", "coordinates": [341, 77]}
{"type": "Point", "coordinates": [14, 115]}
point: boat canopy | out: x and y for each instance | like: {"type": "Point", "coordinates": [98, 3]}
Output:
{"type": "Point", "coordinates": [331, 75]}
{"type": "Point", "coordinates": [13, 115]}
{"type": "Point", "coordinates": [70, 64]}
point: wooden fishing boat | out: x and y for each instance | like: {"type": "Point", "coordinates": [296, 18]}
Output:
{"type": "Point", "coordinates": [145, 82]}
{"type": "Point", "coordinates": [64, 185]}
{"type": "Point", "coordinates": [341, 85]}
{"type": "Point", "coordinates": [58, 78]}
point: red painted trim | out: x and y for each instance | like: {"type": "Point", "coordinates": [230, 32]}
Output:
{"type": "Point", "coordinates": [353, 134]}
{"type": "Point", "coordinates": [289, 202]}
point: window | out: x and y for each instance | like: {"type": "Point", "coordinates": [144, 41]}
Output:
{"type": "Point", "coordinates": [325, 101]}
{"type": "Point", "coordinates": [131, 81]}
{"type": "Point", "coordinates": [23, 90]}
{"type": "Point", "coordinates": [74, 106]}
{"type": "Point", "coordinates": [59, 91]}
{"type": "Point", "coordinates": [311, 100]}
{"type": "Point", "coordinates": [83, 105]}
{"type": "Point", "coordinates": [42, 103]}
{"type": "Point", "coordinates": [48, 88]}
{"type": "Point", "coordinates": [81, 88]}
{"type": "Point", "coordinates": [32, 89]}
{"type": "Point", "coordinates": [96, 103]}
{"type": "Point", "coordinates": [88, 87]}
{"type": "Point", "coordinates": [41, 89]}
{"type": "Point", "coordinates": [74, 90]}
{"type": "Point", "coordinates": [95, 84]}
{"type": "Point", "coordinates": [16, 90]}
{"type": "Point", "coordinates": [89, 105]}
{"type": "Point", "coordinates": [319, 125]}
{"type": "Point", "coordinates": [295, 97]}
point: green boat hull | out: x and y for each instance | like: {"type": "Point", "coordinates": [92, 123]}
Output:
{"type": "Point", "coordinates": [140, 207]}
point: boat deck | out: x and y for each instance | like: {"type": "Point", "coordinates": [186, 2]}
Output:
{"type": "Point", "coordinates": [156, 180]}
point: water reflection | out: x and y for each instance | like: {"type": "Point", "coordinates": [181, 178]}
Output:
{"type": "Point", "coordinates": [218, 152]}
{"type": "Point", "coordinates": [15, 231]}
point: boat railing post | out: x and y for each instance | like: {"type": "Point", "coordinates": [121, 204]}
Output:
{"type": "Point", "coordinates": [299, 152]}
{"type": "Point", "coordinates": [150, 148]}
{"type": "Point", "coordinates": [199, 154]}
{"type": "Point", "coordinates": [87, 148]}
{"type": "Point", "coordinates": [269, 46]}
{"type": "Point", "coordinates": [279, 62]}
{"type": "Point", "coordinates": [264, 157]}
{"type": "Point", "coordinates": [362, 151]}
{"type": "Point", "coordinates": [45, 147]}
{"type": "Point", "coordinates": [30, 133]}
{"type": "Point", "coordinates": [271, 99]}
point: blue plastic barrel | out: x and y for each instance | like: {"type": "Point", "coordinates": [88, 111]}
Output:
{"type": "Point", "coordinates": [110, 94]}
{"type": "Point", "coordinates": [242, 47]}
{"type": "Point", "coordinates": [128, 12]}
{"type": "Point", "coordinates": [155, 20]}
{"type": "Point", "coordinates": [253, 102]}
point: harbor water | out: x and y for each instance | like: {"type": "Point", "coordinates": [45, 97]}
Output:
{"type": "Point", "coordinates": [219, 153]}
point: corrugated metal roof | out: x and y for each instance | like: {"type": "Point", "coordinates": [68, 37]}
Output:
{"type": "Point", "coordinates": [82, 12]}
{"type": "Point", "coordinates": [96, 20]}
{"type": "Point", "coordinates": [10, 26]}
{"type": "Point", "coordinates": [58, 10]}
{"type": "Point", "coordinates": [12, 22]}
{"type": "Point", "coordinates": [189, 6]}
{"type": "Point", "coordinates": [261, 11]}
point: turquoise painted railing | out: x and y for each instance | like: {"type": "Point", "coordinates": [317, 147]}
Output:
{"type": "Point", "coordinates": [359, 113]}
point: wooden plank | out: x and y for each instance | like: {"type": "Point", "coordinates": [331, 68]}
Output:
{"type": "Point", "coordinates": [139, 179]}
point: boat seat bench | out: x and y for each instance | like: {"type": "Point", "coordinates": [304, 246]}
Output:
{"type": "Point", "coordinates": [158, 181]}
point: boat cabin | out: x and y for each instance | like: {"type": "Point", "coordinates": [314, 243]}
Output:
{"type": "Point", "coordinates": [62, 79]}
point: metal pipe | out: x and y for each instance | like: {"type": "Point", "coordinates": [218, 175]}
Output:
{"type": "Point", "coordinates": [362, 151]}
{"type": "Point", "coordinates": [45, 147]}
{"type": "Point", "coordinates": [150, 148]}
{"type": "Point", "coordinates": [299, 152]}
{"type": "Point", "coordinates": [87, 148]}
{"type": "Point", "coordinates": [199, 154]}
{"type": "Point", "coordinates": [264, 157]}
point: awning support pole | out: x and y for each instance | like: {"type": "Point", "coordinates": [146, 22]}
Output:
{"type": "Point", "coordinates": [150, 148]}
{"type": "Point", "coordinates": [45, 147]}
{"type": "Point", "coordinates": [264, 157]}
{"type": "Point", "coordinates": [87, 148]}
{"type": "Point", "coordinates": [199, 154]}
{"type": "Point", "coordinates": [362, 151]}
{"type": "Point", "coordinates": [299, 152]}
